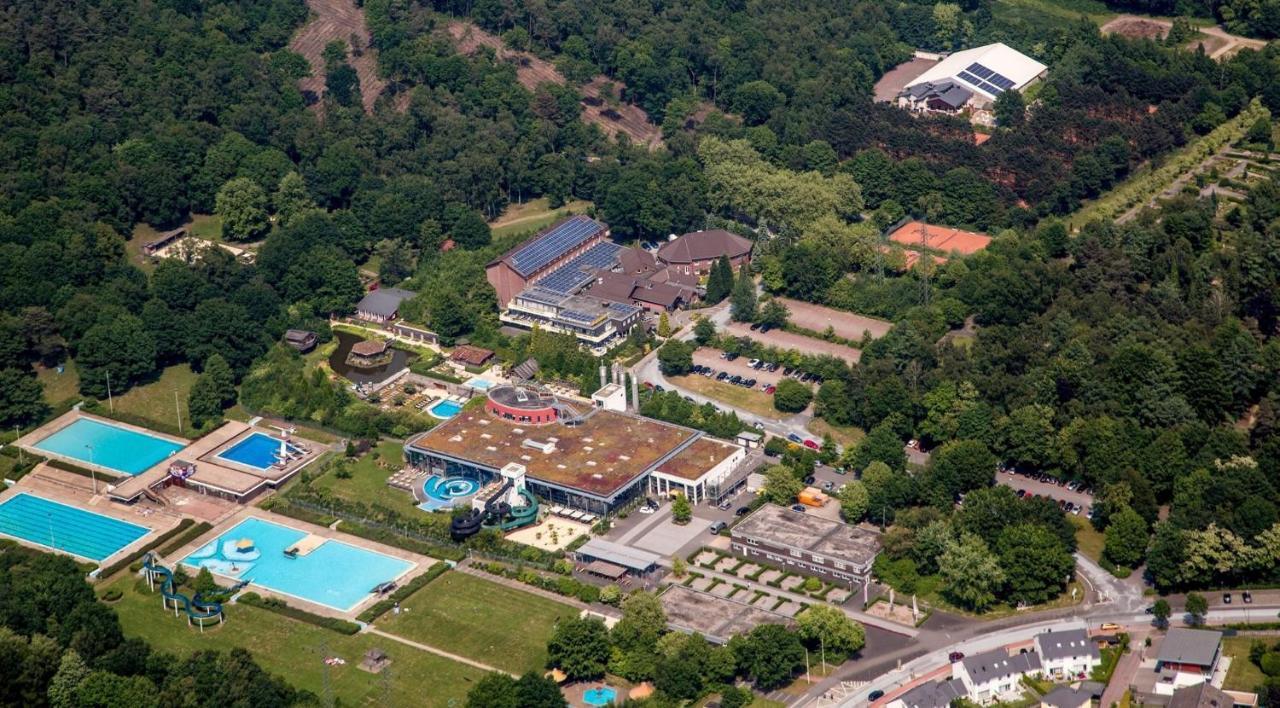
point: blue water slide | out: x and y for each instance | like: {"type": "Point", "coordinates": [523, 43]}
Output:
{"type": "Point", "coordinates": [196, 607]}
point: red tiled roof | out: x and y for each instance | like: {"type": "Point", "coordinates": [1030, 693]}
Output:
{"type": "Point", "coordinates": [704, 246]}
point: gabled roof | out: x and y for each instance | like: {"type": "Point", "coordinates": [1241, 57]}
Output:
{"type": "Point", "coordinates": [934, 694]}
{"type": "Point", "coordinates": [954, 96]}
{"type": "Point", "coordinates": [384, 302]}
{"type": "Point", "coordinates": [1018, 68]}
{"type": "Point", "coordinates": [1190, 646]}
{"type": "Point", "coordinates": [552, 243]}
{"type": "Point", "coordinates": [997, 663]}
{"type": "Point", "coordinates": [1065, 645]}
{"type": "Point", "coordinates": [1066, 697]}
{"type": "Point", "coordinates": [704, 246]}
{"type": "Point", "coordinates": [1202, 695]}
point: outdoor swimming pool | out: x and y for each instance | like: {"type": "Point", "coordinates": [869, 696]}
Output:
{"type": "Point", "coordinates": [334, 574]}
{"type": "Point", "coordinates": [65, 528]}
{"type": "Point", "coordinates": [480, 384]}
{"type": "Point", "coordinates": [121, 449]}
{"type": "Point", "coordinates": [442, 492]}
{"type": "Point", "coordinates": [599, 696]}
{"type": "Point", "coordinates": [445, 409]}
{"type": "Point", "coordinates": [259, 451]}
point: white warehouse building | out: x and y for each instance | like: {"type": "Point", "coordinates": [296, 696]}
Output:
{"type": "Point", "coordinates": [972, 79]}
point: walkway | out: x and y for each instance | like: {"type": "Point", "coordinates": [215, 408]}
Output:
{"type": "Point", "coordinates": [1122, 677]}
{"type": "Point", "coordinates": [438, 652]}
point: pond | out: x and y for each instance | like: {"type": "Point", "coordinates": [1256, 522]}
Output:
{"type": "Point", "coordinates": [338, 361]}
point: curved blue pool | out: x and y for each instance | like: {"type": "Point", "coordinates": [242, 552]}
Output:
{"type": "Point", "coordinates": [445, 410]}
{"type": "Point", "coordinates": [442, 492]}
{"type": "Point", "coordinates": [599, 696]}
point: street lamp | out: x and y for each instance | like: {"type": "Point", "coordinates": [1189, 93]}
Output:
{"type": "Point", "coordinates": [92, 472]}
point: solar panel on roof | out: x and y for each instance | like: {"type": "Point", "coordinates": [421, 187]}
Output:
{"type": "Point", "coordinates": [969, 78]}
{"type": "Point", "coordinates": [576, 316]}
{"type": "Point", "coordinates": [1003, 82]}
{"type": "Point", "coordinates": [577, 272]}
{"type": "Point", "coordinates": [554, 243]}
{"type": "Point", "coordinates": [979, 70]}
{"type": "Point", "coordinates": [993, 90]}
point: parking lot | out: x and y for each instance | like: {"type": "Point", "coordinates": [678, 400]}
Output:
{"type": "Point", "coordinates": [1045, 489]}
{"type": "Point", "coordinates": [739, 366]}
{"type": "Point", "coordinates": [783, 339]}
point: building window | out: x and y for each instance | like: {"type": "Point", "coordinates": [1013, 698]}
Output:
{"type": "Point", "coordinates": [796, 554]}
{"type": "Point", "coordinates": [838, 565]}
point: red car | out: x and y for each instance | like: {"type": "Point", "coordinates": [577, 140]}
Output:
{"type": "Point", "coordinates": [771, 390]}
{"type": "Point", "coordinates": [812, 444]}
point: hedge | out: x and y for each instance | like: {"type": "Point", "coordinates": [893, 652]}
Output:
{"type": "Point", "coordinates": [280, 607]}
{"type": "Point", "coordinates": [82, 471]}
{"type": "Point", "coordinates": [403, 542]}
{"type": "Point", "coordinates": [186, 537]}
{"type": "Point", "coordinates": [567, 586]}
{"type": "Point", "coordinates": [107, 571]}
{"type": "Point", "coordinates": [402, 593]}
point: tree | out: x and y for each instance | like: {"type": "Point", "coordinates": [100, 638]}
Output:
{"type": "Point", "coordinates": [1035, 563]}
{"type": "Point", "coordinates": [675, 357]}
{"type": "Point", "coordinates": [21, 398]}
{"type": "Point", "coordinates": [213, 391]}
{"type": "Point", "coordinates": [755, 100]}
{"type": "Point", "coordinates": [71, 672]}
{"type": "Point", "coordinates": [664, 325]}
{"type": "Point", "coordinates": [1197, 607]}
{"type": "Point", "coordinates": [963, 465]}
{"type": "Point", "coordinates": [719, 281]}
{"type": "Point", "coordinates": [773, 315]}
{"type": "Point", "coordinates": [704, 331]}
{"type": "Point", "coordinates": [291, 198]}
{"type": "Point", "coordinates": [742, 306]}
{"type": "Point", "coordinates": [1126, 538]}
{"type": "Point", "coordinates": [1161, 611]}
{"type": "Point", "coordinates": [1010, 109]}
{"type": "Point", "coordinates": [121, 348]}
{"type": "Point", "coordinates": [829, 628]}
{"type": "Point", "coordinates": [854, 501]}
{"type": "Point", "coordinates": [534, 690]}
{"type": "Point", "coordinates": [781, 486]}
{"type": "Point", "coordinates": [792, 396]}
{"type": "Point", "coordinates": [769, 655]}
{"type": "Point", "coordinates": [681, 510]}
{"type": "Point", "coordinates": [242, 205]}
{"type": "Point", "coordinates": [494, 690]}
{"type": "Point", "coordinates": [580, 648]}
{"type": "Point", "coordinates": [971, 575]}
{"type": "Point", "coordinates": [636, 635]}
{"type": "Point", "coordinates": [882, 444]}
{"type": "Point", "coordinates": [470, 230]}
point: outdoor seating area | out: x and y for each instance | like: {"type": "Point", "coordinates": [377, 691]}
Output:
{"type": "Point", "coordinates": [574, 514]}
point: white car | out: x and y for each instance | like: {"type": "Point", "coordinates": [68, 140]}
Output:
{"type": "Point", "coordinates": [753, 363]}
{"type": "Point", "coordinates": [646, 509]}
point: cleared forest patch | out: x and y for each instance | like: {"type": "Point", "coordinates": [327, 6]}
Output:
{"type": "Point", "coordinates": [340, 20]}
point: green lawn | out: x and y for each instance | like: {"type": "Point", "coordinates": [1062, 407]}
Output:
{"type": "Point", "coordinates": [845, 436]}
{"type": "Point", "coordinates": [368, 481]}
{"type": "Point", "coordinates": [155, 400]}
{"type": "Point", "coordinates": [205, 226]}
{"type": "Point", "coordinates": [753, 401]}
{"type": "Point", "coordinates": [480, 620]}
{"type": "Point", "coordinates": [1089, 539]}
{"type": "Point", "coordinates": [296, 651]}
{"type": "Point", "coordinates": [1243, 675]}
{"type": "Point", "coordinates": [533, 215]}
{"type": "Point", "coordinates": [59, 387]}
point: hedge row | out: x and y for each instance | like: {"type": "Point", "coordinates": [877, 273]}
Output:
{"type": "Point", "coordinates": [82, 471]}
{"type": "Point", "coordinates": [107, 571]}
{"type": "Point", "coordinates": [186, 537]}
{"type": "Point", "coordinates": [402, 593]}
{"type": "Point", "coordinates": [280, 607]}
{"type": "Point", "coordinates": [567, 586]}
{"type": "Point", "coordinates": [404, 542]}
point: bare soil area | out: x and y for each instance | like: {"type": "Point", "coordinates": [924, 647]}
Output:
{"type": "Point", "coordinates": [342, 20]}
{"type": "Point", "coordinates": [845, 324]}
{"type": "Point", "coordinates": [1137, 27]}
{"type": "Point", "coordinates": [789, 340]}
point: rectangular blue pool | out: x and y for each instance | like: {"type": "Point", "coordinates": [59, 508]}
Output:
{"type": "Point", "coordinates": [335, 574]}
{"type": "Point", "coordinates": [115, 447]}
{"type": "Point", "coordinates": [259, 451]}
{"type": "Point", "coordinates": [444, 409]}
{"type": "Point", "coordinates": [65, 528]}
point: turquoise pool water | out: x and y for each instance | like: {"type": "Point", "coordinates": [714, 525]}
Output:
{"type": "Point", "coordinates": [121, 449]}
{"type": "Point", "coordinates": [442, 492]}
{"type": "Point", "coordinates": [335, 574]}
{"type": "Point", "coordinates": [65, 528]}
{"type": "Point", "coordinates": [258, 451]}
{"type": "Point", "coordinates": [480, 384]}
{"type": "Point", "coordinates": [599, 696]}
{"type": "Point", "coordinates": [445, 409]}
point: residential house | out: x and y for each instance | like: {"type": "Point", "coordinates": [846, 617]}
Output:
{"type": "Point", "coordinates": [932, 694]}
{"type": "Point", "coordinates": [1067, 655]}
{"type": "Point", "coordinates": [382, 305]}
{"type": "Point", "coordinates": [1186, 657]}
{"type": "Point", "coordinates": [990, 675]}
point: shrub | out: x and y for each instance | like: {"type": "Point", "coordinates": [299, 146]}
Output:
{"type": "Point", "coordinates": [184, 538]}
{"type": "Point", "coordinates": [1270, 663]}
{"type": "Point", "coordinates": [112, 594]}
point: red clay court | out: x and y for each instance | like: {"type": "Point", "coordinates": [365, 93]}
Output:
{"type": "Point", "coordinates": [940, 238]}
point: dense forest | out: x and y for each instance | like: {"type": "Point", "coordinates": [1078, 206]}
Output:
{"type": "Point", "coordinates": [63, 648]}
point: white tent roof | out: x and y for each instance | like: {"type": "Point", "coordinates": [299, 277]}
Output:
{"type": "Point", "coordinates": [1018, 67]}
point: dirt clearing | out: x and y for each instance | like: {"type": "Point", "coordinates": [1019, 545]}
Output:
{"type": "Point", "coordinates": [846, 325]}
{"type": "Point", "coordinates": [341, 20]}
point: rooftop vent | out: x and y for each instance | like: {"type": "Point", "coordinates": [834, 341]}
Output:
{"type": "Point", "coordinates": [545, 448]}
{"type": "Point", "coordinates": [597, 475]}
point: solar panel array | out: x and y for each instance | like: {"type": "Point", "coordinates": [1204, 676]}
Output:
{"type": "Point", "coordinates": [985, 79]}
{"type": "Point", "coordinates": [577, 317]}
{"type": "Point", "coordinates": [581, 269]}
{"type": "Point", "coordinates": [623, 310]}
{"type": "Point", "coordinates": [542, 296]}
{"type": "Point", "coordinates": [554, 243]}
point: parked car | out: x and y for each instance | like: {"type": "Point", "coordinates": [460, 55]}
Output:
{"type": "Point", "coordinates": [724, 505]}
{"type": "Point", "coordinates": [828, 486]}
{"type": "Point", "coordinates": [875, 695]}
{"type": "Point", "coordinates": [755, 326]}
{"type": "Point", "coordinates": [749, 383]}
{"type": "Point", "coordinates": [955, 656]}
{"type": "Point", "coordinates": [794, 438]}
{"type": "Point", "coordinates": [724, 355]}
{"type": "Point", "coordinates": [770, 389]}
{"type": "Point", "coordinates": [646, 510]}
{"type": "Point", "coordinates": [809, 479]}
{"type": "Point", "coordinates": [659, 389]}
{"type": "Point", "coordinates": [1022, 493]}
{"type": "Point", "coordinates": [722, 376]}
{"type": "Point", "coordinates": [742, 511]}
{"type": "Point", "coordinates": [800, 508]}
{"type": "Point", "coordinates": [735, 379]}
{"type": "Point", "coordinates": [733, 355]}
{"type": "Point", "coordinates": [1247, 597]}
{"type": "Point", "coordinates": [787, 371]}
{"type": "Point", "coordinates": [812, 444]}
{"type": "Point", "coordinates": [1226, 598]}
{"type": "Point", "coordinates": [716, 527]}
{"type": "Point", "coordinates": [753, 363]}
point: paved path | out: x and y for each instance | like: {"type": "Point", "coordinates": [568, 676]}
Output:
{"type": "Point", "coordinates": [437, 652]}
{"type": "Point", "coordinates": [1122, 677]}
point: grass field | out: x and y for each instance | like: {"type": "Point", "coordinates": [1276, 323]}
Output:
{"type": "Point", "coordinates": [154, 401]}
{"type": "Point", "coordinates": [205, 226]}
{"type": "Point", "coordinates": [1089, 539]}
{"type": "Point", "coordinates": [1243, 675]}
{"type": "Point", "coordinates": [480, 620]}
{"type": "Point", "coordinates": [845, 436]}
{"type": "Point", "coordinates": [296, 651]}
{"type": "Point", "coordinates": [368, 481]}
{"type": "Point", "coordinates": [533, 215]}
{"type": "Point", "coordinates": [748, 400]}
{"type": "Point", "coordinates": [59, 387]}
